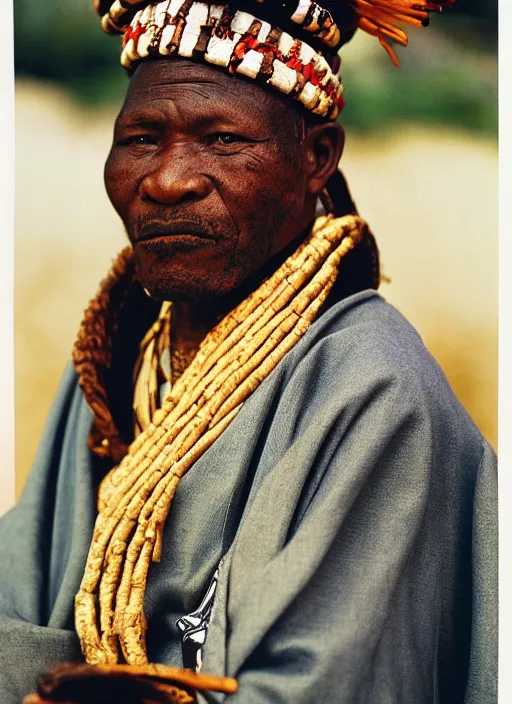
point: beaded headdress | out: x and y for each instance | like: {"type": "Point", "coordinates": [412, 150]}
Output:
{"type": "Point", "coordinates": [288, 45]}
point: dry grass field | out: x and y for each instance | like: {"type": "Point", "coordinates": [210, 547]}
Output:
{"type": "Point", "coordinates": [430, 197]}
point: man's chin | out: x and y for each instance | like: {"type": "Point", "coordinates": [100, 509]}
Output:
{"type": "Point", "coordinates": [180, 287]}
{"type": "Point", "coordinates": [202, 275]}
{"type": "Point", "coordinates": [163, 293]}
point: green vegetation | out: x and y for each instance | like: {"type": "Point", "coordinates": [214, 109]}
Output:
{"type": "Point", "coordinates": [59, 41]}
{"type": "Point", "coordinates": [448, 75]}
{"type": "Point", "coordinates": [453, 99]}
{"type": "Point", "coordinates": [440, 82]}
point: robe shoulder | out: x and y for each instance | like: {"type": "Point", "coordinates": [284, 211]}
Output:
{"type": "Point", "coordinates": [363, 351]}
{"type": "Point", "coordinates": [350, 577]}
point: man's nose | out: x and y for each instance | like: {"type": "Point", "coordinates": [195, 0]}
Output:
{"type": "Point", "coordinates": [175, 179]}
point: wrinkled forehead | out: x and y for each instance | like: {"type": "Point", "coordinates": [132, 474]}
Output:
{"type": "Point", "coordinates": [196, 90]}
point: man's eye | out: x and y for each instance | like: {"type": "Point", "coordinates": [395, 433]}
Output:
{"type": "Point", "coordinates": [226, 138]}
{"type": "Point", "coordinates": [137, 140]}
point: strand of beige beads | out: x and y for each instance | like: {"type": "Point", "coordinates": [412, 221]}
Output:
{"type": "Point", "coordinates": [135, 497]}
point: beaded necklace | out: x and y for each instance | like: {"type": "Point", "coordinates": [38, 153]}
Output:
{"type": "Point", "coordinates": [135, 497]}
{"type": "Point", "coordinates": [159, 365]}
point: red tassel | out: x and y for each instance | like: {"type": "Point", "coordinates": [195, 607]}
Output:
{"type": "Point", "coordinates": [379, 18]}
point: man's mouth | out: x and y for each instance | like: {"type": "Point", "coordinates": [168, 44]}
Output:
{"type": "Point", "coordinates": [178, 229]}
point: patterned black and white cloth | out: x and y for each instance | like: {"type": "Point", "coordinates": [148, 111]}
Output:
{"type": "Point", "coordinates": [194, 627]}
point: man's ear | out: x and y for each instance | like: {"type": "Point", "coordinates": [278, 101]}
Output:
{"type": "Point", "coordinates": [324, 147]}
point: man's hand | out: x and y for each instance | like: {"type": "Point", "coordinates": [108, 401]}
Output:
{"type": "Point", "coordinates": [151, 684]}
{"type": "Point", "coordinates": [36, 699]}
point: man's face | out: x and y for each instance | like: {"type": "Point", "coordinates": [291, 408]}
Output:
{"type": "Point", "coordinates": [206, 171]}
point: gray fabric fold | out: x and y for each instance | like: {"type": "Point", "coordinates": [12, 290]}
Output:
{"type": "Point", "coordinates": [354, 503]}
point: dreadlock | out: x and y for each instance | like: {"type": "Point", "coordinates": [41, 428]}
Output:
{"type": "Point", "coordinates": [360, 269]}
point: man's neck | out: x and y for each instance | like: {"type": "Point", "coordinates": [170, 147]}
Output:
{"type": "Point", "coordinates": [193, 320]}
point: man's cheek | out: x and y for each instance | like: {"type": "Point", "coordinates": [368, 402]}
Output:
{"type": "Point", "coordinates": [120, 184]}
{"type": "Point", "coordinates": [274, 209]}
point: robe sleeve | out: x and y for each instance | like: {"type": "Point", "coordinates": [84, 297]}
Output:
{"type": "Point", "coordinates": [43, 543]}
{"type": "Point", "coordinates": [482, 677]}
{"type": "Point", "coordinates": [364, 569]}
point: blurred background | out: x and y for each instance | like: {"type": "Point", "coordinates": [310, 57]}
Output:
{"type": "Point", "coordinates": [420, 156]}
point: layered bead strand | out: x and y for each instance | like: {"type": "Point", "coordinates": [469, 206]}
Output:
{"type": "Point", "coordinates": [135, 497]}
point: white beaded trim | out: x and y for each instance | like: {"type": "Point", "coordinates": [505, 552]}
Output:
{"type": "Point", "coordinates": [301, 11]}
{"type": "Point", "coordinates": [240, 43]}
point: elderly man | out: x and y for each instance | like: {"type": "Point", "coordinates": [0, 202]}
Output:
{"type": "Point", "coordinates": [254, 468]}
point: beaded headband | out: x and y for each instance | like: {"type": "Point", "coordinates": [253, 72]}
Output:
{"type": "Point", "coordinates": [293, 47]}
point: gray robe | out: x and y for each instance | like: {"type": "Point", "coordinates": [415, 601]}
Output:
{"type": "Point", "coordinates": [353, 504]}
